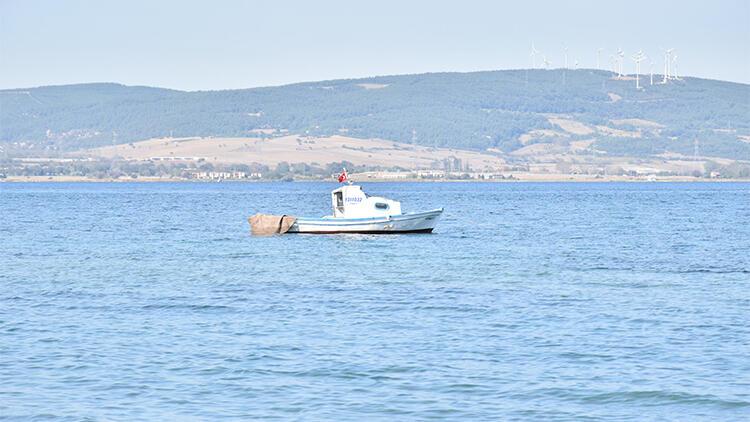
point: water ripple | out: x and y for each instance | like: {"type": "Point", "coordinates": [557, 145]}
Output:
{"type": "Point", "coordinates": [544, 302]}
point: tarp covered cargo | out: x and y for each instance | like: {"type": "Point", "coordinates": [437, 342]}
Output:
{"type": "Point", "coordinates": [264, 224]}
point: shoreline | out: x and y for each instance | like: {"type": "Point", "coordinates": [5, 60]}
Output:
{"type": "Point", "coordinates": [519, 178]}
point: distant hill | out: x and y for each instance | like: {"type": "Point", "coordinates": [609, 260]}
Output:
{"type": "Point", "coordinates": [509, 112]}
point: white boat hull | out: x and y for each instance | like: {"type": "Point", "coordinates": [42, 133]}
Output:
{"type": "Point", "coordinates": [422, 222]}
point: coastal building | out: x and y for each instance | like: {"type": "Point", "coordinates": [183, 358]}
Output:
{"type": "Point", "coordinates": [223, 175]}
{"type": "Point", "coordinates": [175, 158]}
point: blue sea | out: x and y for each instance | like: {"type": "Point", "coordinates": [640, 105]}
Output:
{"type": "Point", "coordinates": [150, 301]}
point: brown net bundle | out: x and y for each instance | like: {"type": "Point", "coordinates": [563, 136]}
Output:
{"type": "Point", "coordinates": [265, 225]}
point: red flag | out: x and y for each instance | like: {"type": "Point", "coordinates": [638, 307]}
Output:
{"type": "Point", "coordinates": [342, 176]}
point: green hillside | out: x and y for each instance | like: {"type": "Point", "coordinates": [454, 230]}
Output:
{"type": "Point", "coordinates": [476, 110]}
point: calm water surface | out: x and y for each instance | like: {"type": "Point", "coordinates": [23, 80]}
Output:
{"type": "Point", "coordinates": [530, 302]}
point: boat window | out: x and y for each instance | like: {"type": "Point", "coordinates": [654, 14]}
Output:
{"type": "Point", "coordinates": [339, 201]}
{"type": "Point", "coordinates": [381, 206]}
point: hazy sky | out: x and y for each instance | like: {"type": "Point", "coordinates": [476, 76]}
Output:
{"type": "Point", "coordinates": [194, 45]}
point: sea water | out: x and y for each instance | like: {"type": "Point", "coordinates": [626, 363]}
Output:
{"type": "Point", "coordinates": [150, 301]}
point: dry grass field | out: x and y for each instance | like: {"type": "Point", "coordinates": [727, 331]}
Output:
{"type": "Point", "coordinates": [548, 154]}
{"type": "Point", "coordinates": [297, 149]}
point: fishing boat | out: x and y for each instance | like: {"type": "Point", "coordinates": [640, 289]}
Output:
{"type": "Point", "coordinates": [353, 212]}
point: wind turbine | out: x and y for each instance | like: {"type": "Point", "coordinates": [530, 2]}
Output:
{"type": "Point", "coordinates": [674, 62]}
{"type": "Point", "coordinates": [565, 49]}
{"type": "Point", "coordinates": [533, 54]}
{"type": "Point", "coordinates": [575, 64]}
{"type": "Point", "coordinates": [546, 62]}
{"type": "Point", "coordinates": [667, 62]}
{"type": "Point", "coordinates": [669, 65]}
{"type": "Point", "coordinates": [620, 54]}
{"type": "Point", "coordinates": [638, 58]}
{"type": "Point", "coordinates": [598, 61]}
{"type": "Point", "coordinates": [651, 68]}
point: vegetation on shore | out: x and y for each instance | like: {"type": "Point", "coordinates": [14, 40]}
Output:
{"type": "Point", "coordinates": [117, 169]}
{"type": "Point", "coordinates": [127, 169]}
